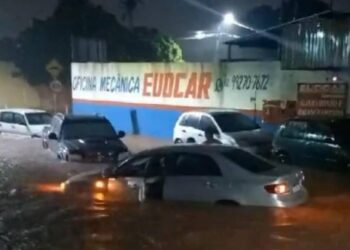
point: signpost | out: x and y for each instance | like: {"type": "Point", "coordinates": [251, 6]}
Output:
{"type": "Point", "coordinates": [54, 68]}
{"type": "Point", "coordinates": [322, 99]}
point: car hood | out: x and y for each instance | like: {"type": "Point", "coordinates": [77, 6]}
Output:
{"type": "Point", "coordinates": [96, 145]}
{"type": "Point", "coordinates": [252, 138]}
{"type": "Point", "coordinates": [86, 176]}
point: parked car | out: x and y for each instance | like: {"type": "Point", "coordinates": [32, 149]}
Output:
{"type": "Point", "coordinates": [90, 138]}
{"type": "Point", "coordinates": [197, 173]}
{"type": "Point", "coordinates": [314, 141]}
{"type": "Point", "coordinates": [24, 121]}
{"type": "Point", "coordinates": [230, 127]}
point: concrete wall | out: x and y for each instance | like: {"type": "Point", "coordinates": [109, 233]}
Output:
{"type": "Point", "coordinates": [148, 98]}
{"type": "Point", "coordinates": [14, 90]}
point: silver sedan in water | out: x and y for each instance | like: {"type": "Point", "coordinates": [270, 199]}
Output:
{"type": "Point", "coordinates": [215, 174]}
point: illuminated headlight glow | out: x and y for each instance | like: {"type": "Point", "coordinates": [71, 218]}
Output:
{"type": "Point", "coordinates": [100, 185]}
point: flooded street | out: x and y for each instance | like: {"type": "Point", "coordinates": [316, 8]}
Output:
{"type": "Point", "coordinates": [34, 215]}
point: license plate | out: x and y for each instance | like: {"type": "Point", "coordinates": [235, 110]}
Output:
{"type": "Point", "coordinates": [296, 188]}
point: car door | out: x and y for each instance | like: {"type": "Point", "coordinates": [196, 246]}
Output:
{"type": "Point", "coordinates": [5, 119]}
{"type": "Point", "coordinates": [193, 177]}
{"type": "Point", "coordinates": [206, 124]}
{"type": "Point", "coordinates": [292, 141]}
{"type": "Point", "coordinates": [181, 130]}
{"type": "Point", "coordinates": [7, 122]}
{"type": "Point", "coordinates": [20, 124]}
{"type": "Point", "coordinates": [193, 132]}
{"type": "Point", "coordinates": [128, 183]}
{"type": "Point", "coordinates": [322, 145]}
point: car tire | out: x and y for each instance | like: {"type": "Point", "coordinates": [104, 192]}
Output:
{"type": "Point", "coordinates": [178, 141]}
{"type": "Point", "coordinates": [191, 140]}
{"type": "Point", "coordinates": [284, 158]}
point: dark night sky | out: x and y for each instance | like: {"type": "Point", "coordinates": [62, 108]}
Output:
{"type": "Point", "coordinates": [172, 17]}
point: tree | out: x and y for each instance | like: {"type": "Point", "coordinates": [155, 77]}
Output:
{"type": "Point", "coordinates": [129, 7]}
{"type": "Point", "coordinates": [51, 39]}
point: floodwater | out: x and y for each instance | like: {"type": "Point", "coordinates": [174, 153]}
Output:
{"type": "Point", "coordinates": [35, 215]}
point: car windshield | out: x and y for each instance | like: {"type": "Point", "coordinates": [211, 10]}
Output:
{"type": "Point", "coordinates": [234, 122]}
{"type": "Point", "coordinates": [248, 161]}
{"type": "Point", "coordinates": [340, 129]}
{"type": "Point", "coordinates": [88, 129]}
{"type": "Point", "coordinates": [38, 118]}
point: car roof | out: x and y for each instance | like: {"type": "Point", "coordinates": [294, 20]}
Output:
{"type": "Point", "coordinates": [189, 148]}
{"type": "Point", "coordinates": [23, 111]}
{"type": "Point", "coordinates": [213, 111]}
{"type": "Point", "coordinates": [72, 118]}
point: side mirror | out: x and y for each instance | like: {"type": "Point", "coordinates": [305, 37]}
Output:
{"type": "Point", "coordinates": [121, 134]}
{"type": "Point", "coordinates": [53, 136]}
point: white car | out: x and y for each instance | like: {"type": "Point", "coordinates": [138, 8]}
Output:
{"type": "Point", "coordinates": [24, 121]}
{"type": "Point", "coordinates": [230, 128]}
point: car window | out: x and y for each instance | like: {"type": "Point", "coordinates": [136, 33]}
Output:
{"type": "Point", "coordinates": [295, 130]}
{"type": "Point", "coordinates": [134, 168]}
{"type": "Point", "coordinates": [19, 119]}
{"type": "Point", "coordinates": [206, 124]}
{"type": "Point", "coordinates": [88, 129]}
{"type": "Point", "coordinates": [183, 121]}
{"type": "Point", "coordinates": [38, 118]}
{"type": "Point", "coordinates": [7, 117]}
{"type": "Point", "coordinates": [193, 121]}
{"type": "Point", "coordinates": [193, 165]}
{"type": "Point", "coordinates": [319, 132]}
{"type": "Point", "coordinates": [248, 161]}
{"type": "Point", "coordinates": [231, 122]}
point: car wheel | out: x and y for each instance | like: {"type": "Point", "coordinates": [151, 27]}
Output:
{"type": "Point", "coordinates": [283, 158]}
{"type": "Point", "coordinates": [178, 141]}
{"type": "Point", "coordinates": [191, 140]}
{"type": "Point", "coordinates": [45, 145]}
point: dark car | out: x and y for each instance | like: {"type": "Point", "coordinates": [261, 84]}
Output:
{"type": "Point", "coordinates": [314, 142]}
{"type": "Point", "coordinates": [88, 138]}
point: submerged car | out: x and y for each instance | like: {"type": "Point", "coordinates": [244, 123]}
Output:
{"type": "Point", "coordinates": [322, 142]}
{"type": "Point", "coordinates": [83, 137]}
{"type": "Point", "coordinates": [197, 173]}
{"type": "Point", "coordinates": [230, 128]}
{"type": "Point", "coordinates": [24, 121]}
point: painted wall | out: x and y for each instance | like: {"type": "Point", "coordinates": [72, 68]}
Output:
{"type": "Point", "coordinates": [147, 98]}
{"type": "Point", "coordinates": [14, 90]}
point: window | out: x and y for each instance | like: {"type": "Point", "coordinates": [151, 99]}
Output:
{"type": "Point", "coordinates": [319, 132]}
{"type": "Point", "coordinates": [192, 121]}
{"type": "Point", "coordinates": [295, 130]}
{"type": "Point", "coordinates": [206, 124]}
{"type": "Point", "coordinates": [38, 118]}
{"type": "Point", "coordinates": [19, 119]}
{"type": "Point", "coordinates": [193, 165]}
{"type": "Point", "coordinates": [183, 121]}
{"type": "Point", "coordinates": [7, 117]}
{"type": "Point", "coordinates": [134, 168]}
{"type": "Point", "coordinates": [248, 161]}
{"type": "Point", "coordinates": [231, 122]}
{"type": "Point", "coordinates": [88, 129]}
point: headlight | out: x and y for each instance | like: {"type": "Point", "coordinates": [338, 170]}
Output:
{"type": "Point", "coordinates": [63, 186]}
{"type": "Point", "coordinates": [100, 185]}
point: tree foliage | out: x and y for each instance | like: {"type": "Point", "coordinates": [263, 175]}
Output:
{"type": "Point", "coordinates": [51, 39]}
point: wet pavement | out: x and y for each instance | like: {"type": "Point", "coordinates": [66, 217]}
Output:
{"type": "Point", "coordinates": [46, 220]}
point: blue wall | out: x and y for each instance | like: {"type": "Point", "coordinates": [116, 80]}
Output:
{"type": "Point", "coordinates": [153, 122]}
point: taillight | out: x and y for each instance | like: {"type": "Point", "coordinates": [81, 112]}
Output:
{"type": "Point", "coordinates": [281, 188]}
